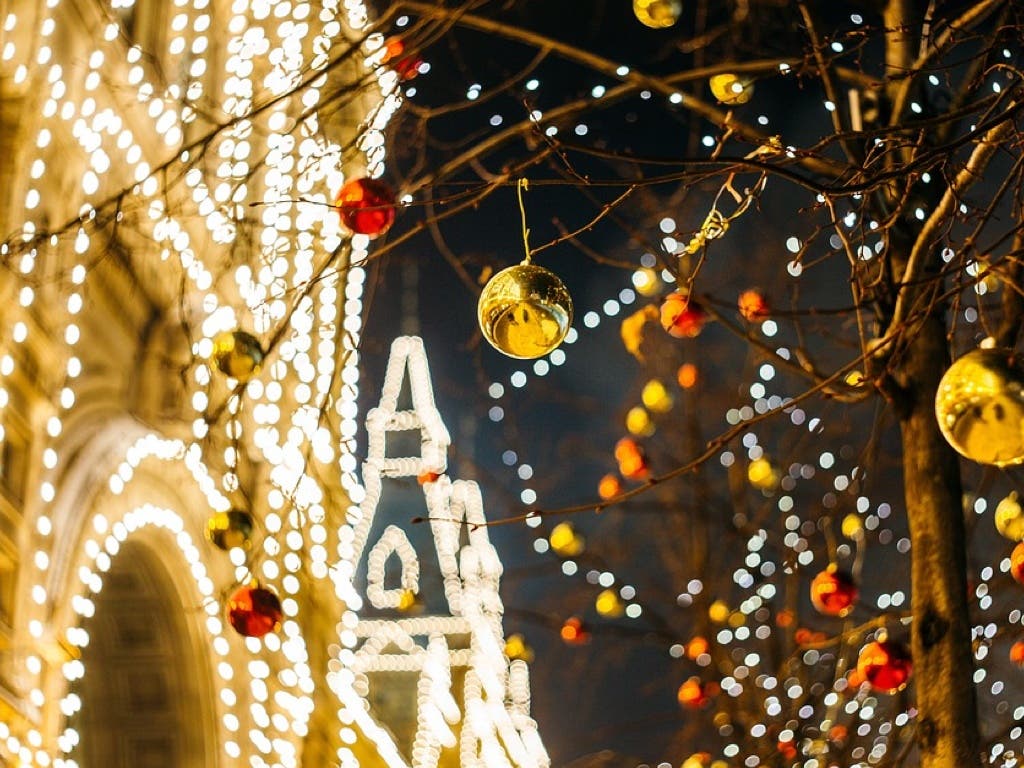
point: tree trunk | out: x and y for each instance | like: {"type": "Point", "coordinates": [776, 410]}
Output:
{"type": "Point", "coordinates": [947, 729]}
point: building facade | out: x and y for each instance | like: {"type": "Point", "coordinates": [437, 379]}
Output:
{"type": "Point", "coordinates": [167, 178]}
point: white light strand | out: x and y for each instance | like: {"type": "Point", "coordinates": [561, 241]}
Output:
{"type": "Point", "coordinates": [496, 729]}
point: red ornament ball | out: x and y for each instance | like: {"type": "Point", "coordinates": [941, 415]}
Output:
{"type": "Point", "coordinates": [753, 306]}
{"type": "Point", "coordinates": [886, 665]}
{"type": "Point", "coordinates": [427, 476]}
{"type": "Point", "coordinates": [833, 592]}
{"type": "Point", "coordinates": [574, 631]}
{"type": "Point", "coordinates": [407, 67]}
{"type": "Point", "coordinates": [631, 459]}
{"type": "Point", "coordinates": [366, 207]}
{"type": "Point", "coordinates": [1017, 653]}
{"type": "Point", "coordinates": [1017, 563]}
{"type": "Point", "coordinates": [254, 611]}
{"type": "Point", "coordinates": [695, 693]}
{"type": "Point", "coordinates": [682, 317]}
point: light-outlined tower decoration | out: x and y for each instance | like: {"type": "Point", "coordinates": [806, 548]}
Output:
{"type": "Point", "coordinates": [468, 703]}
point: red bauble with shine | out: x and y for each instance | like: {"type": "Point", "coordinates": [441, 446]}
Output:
{"type": "Point", "coordinates": [681, 316]}
{"type": "Point", "coordinates": [254, 611]}
{"type": "Point", "coordinates": [366, 207]}
{"type": "Point", "coordinates": [407, 67]}
{"type": "Point", "coordinates": [833, 592]}
{"type": "Point", "coordinates": [886, 665]}
{"type": "Point", "coordinates": [574, 631]}
{"type": "Point", "coordinates": [1017, 653]}
{"type": "Point", "coordinates": [1017, 563]}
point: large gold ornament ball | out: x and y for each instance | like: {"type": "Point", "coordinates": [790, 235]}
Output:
{"type": "Point", "coordinates": [980, 407]}
{"type": "Point", "coordinates": [525, 311]}
{"type": "Point", "coordinates": [238, 354]}
{"type": "Point", "coordinates": [657, 14]}
{"type": "Point", "coordinates": [731, 89]}
{"type": "Point", "coordinates": [229, 529]}
{"type": "Point", "coordinates": [1009, 518]}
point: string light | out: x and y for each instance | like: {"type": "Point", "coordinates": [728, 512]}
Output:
{"type": "Point", "coordinates": [496, 729]}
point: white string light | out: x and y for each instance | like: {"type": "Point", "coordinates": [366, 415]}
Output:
{"type": "Point", "coordinates": [495, 727]}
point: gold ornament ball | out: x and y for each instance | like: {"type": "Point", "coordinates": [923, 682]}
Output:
{"type": "Point", "coordinates": [657, 14]}
{"type": "Point", "coordinates": [229, 529]}
{"type": "Point", "coordinates": [525, 311]}
{"type": "Point", "coordinates": [656, 397]}
{"type": "Point", "coordinates": [609, 604]}
{"type": "Point", "coordinates": [638, 422]}
{"type": "Point", "coordinates": [565, 542]}
{"type": "Point", "coordinates": [731, 89]}
{"type": "Point", "coordinates": [1010, 518]}
{"type": "Point", "coordinates": [853, 526]}
{"type": "Point", "coordinates": [238, 354]}
{"type": "Point", "coordinates": [980, 407]}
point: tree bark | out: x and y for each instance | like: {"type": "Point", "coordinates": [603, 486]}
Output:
{"type": "Point", "coordinates": [947, 728]}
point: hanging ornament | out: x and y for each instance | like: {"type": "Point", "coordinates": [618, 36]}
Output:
{"type": "Point", "coordinates": [833, 592]}
{"type": "Point", "coordinates": [633, 330]}
{"type": "Point", "coordinates": [517, 649]}
{"type": "Point", "coordinates": [238, 354]}
{"type": "Point", "coordinates": [786, 748]}
{"type": "Point", "coordinates": [805, 636]}
{"type": "Point", "coordinates": [565, 541]}
{"type": "Point", "coordinates": [574, 631]}
{"type": "Point", "coordinates": [609, 605]}
{"type": "Point", "coordinates": [366, 207]}
{"type": "Point", "coordinates": [762, 475]}
{"type": "Point", "coordinates": [686, 376]}
{"type": "Point", "coordinates": [718, 612]}
{"type": "Point", "coordinates": [409, 602]}
{"type": "Point", "coordinates": [254, 611]}
{"type": "Point", "coordinates": [427, 476]}
{"type": "Point", "coordinates": [886, 665]}
{"type": "Point", "coordinates": [407, 67]}
{"type": "Point", "coordinates": [609, 486]}
{"type": "Point", "coordinates": [657, 14]}
{"type": "Point", "coordinates": [753, 306]}
{"type": "Point", "coordinates": [1009, 518]}
{"type": "Point", "coordinates": [697, 760]}
{"type": "Point", "coordinates": [631, 459]}
{"type": "Point", "coordinates": [837, 734]}
{"type": "Point", "coordinates": [638, 422]}
{"type": "Point", "coordinates": [229, 529]}
{"type": "Point", "coordinates": [1017, 563]}
{"type": "Point", "coordinates": [1017, 653]}
{"type": "Point", "coordinates": [695, 693]}
{"type": "Point", "coordinates": [731, 89]}
{"type": "Point", "coordinates": [646, 281]}
{"type": "Point", "coordinates": [980, 407]}
{"type": "Point", "coordinates": [656, 397]}
{"type": "Point", "coordinates": [525, 311]}
{"type": "Point", "coordinates": [853, 526]}
{"type": "Point", "coordinates": [682, 317]}
{"type": "Point", "coordinates": [697, 647]}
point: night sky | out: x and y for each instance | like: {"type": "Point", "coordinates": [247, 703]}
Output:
{"type": "Point", "coordinates": [553, 436]}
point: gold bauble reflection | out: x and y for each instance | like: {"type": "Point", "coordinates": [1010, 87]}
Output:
{"type": "Point", "coordinates": [657, 14]}
{"type": "Point", "coordinates": [731, 89]}
{"type": "Point", "coordinates": [525, 311]}
{"type": "Point", "coordinates": [238, 354]}
{"type": "Point", "coordinates": [980, 407]}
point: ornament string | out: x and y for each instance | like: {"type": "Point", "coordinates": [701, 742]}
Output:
{"type": "Point", "coordinates": [716, 223]}
{"type": "Point", "coordinates": [522, 186]}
